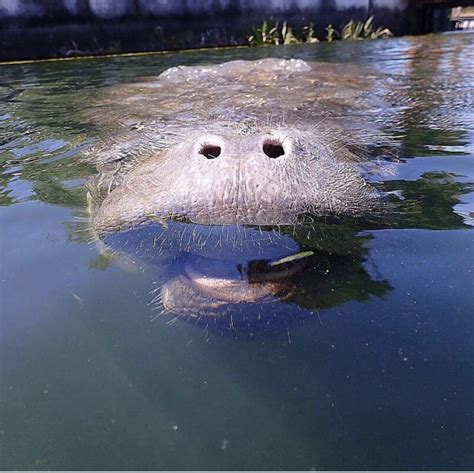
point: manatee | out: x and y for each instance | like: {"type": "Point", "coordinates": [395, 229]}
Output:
{"type": "Point", "coordinates": [236, 181]}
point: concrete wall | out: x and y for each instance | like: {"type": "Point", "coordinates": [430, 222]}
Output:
{"type": "Point", "coordinates": [108, 9]}
{"type": "Point", "coordinates": [48, 28]}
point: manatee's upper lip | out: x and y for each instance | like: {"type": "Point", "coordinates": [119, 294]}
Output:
{"type": "Point", "coordinates": [232, 243]}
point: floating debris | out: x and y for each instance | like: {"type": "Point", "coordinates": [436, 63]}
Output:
{"type": "Point", "coordinates": [289, 259]}
{"type": "Point", "coordinates": [78, 299]}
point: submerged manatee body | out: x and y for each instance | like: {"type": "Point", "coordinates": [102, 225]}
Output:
{"type": "Point", "coordinates": [241, 182]}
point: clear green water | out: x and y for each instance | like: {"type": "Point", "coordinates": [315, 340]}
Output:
{"type": "Point", "coordinates": [89, 381]}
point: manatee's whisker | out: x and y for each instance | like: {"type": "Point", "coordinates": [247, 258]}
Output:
{"type": "Point", "coordinates": [172, 321]}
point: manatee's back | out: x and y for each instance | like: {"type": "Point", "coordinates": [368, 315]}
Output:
{"type": "Point", "coordinates": [274, 91]}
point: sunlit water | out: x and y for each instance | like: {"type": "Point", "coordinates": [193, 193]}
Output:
{"type": "Point", "coordinates": [381, 377]}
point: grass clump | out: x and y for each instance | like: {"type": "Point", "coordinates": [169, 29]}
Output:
{"type": "Point", "coordinates": [274, 34]}
{"type": "Point", "coordinates": [364, 30]}
{"type": "Point", "coordinates": [269, 33]}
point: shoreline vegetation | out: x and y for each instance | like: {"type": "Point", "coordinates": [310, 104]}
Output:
{"type": "Point", "coordinates": [269, 33]}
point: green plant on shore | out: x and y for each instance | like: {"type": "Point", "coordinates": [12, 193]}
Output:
{"type": "Point", "coordinates": [331, 33]}
{"type": "Point", "coordinates": [288, 36]}
{"type": "Point", "coordinates": [269, 33]}
{"type": "Point", "coordinates": [264, 35]}
{"type": "Point", "coordinates": [310, 34]}
{"type": "Point", "coordinates": [364, 30]}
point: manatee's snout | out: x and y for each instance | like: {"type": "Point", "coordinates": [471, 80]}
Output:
{"type": "Point", "coordinates": [263, 177]}
{"type": "Point", "coordinates": [246, 147]}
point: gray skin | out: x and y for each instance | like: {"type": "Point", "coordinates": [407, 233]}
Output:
{"type": "Point", "coordinates": [211, 162]}
{"type": "Point", "coordinates": [265, 178]}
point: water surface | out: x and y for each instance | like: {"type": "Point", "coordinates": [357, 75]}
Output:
{"type": "Point", "coordinates": [380, 377]}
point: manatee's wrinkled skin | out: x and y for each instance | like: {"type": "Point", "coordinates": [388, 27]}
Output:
{"type": "Point", "coordinates": [245, 181]}
{"type": "Point", "coordinates": [217, 171]}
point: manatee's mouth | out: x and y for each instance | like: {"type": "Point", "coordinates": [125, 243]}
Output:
{"type": "Point", "coordinates": [209, 288]}
{"type": "Point", "coordinates": [206, 267]}
{"type": "Point", "coordinates": [242, 282]}
{"type": "Point", "coordinates": [248, 280]}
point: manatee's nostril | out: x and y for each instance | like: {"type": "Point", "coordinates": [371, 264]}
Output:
{"type": "Point", "coordinates": [273, 149]}
{"type": "Point", "coordinates": [210, 151]}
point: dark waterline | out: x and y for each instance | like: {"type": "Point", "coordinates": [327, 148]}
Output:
{"type": "Point", "coordinates": [379, 378]}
